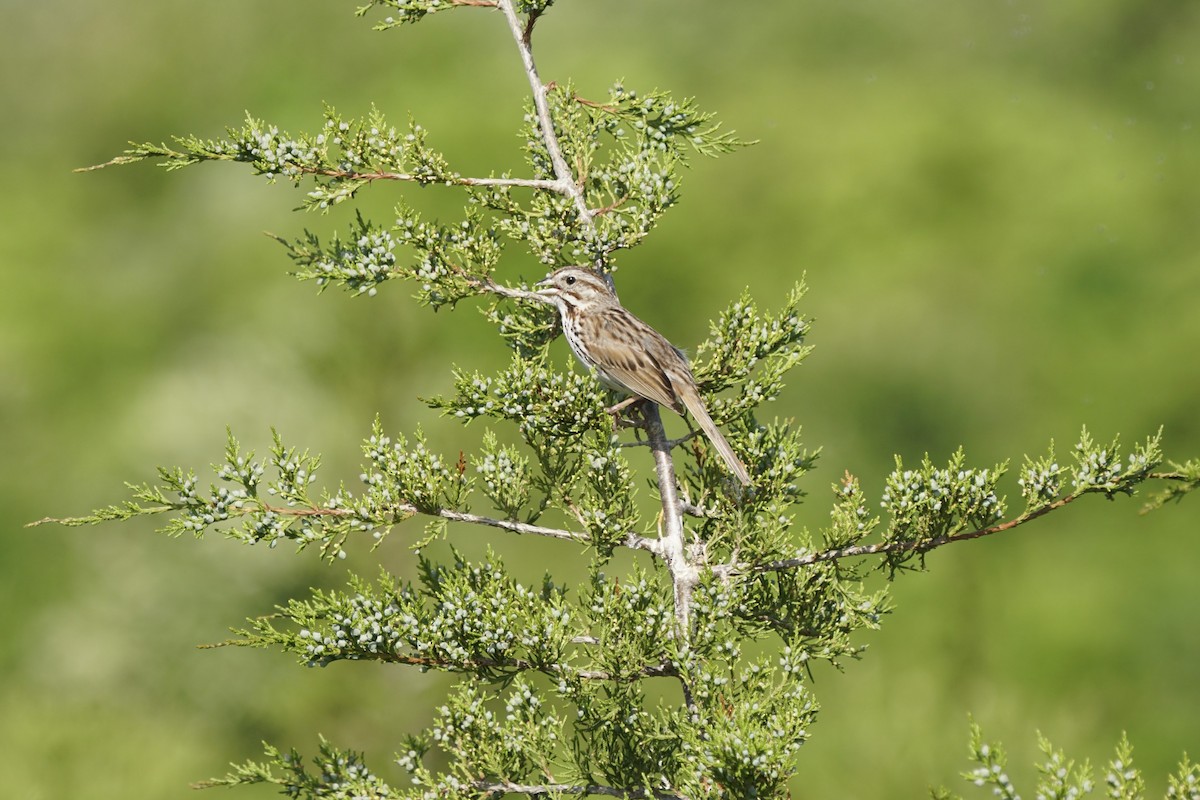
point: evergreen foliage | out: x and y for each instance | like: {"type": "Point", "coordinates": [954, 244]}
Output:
{"type": "Point", "coordinates": [686, 675]}
{"type": "Point", "coordinates": [1061, 778]}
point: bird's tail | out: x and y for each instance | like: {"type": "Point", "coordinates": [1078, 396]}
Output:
{"type": "Point", "coordinates": [695, 406]}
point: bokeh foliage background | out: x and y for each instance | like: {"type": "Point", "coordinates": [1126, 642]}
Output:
{"type": "Point", "coordinates": [997, 208]}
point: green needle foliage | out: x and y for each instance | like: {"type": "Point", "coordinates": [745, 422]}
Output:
{"type": "Point", "coordinates": [686, 675]}
{"type": "Point", "coordinates": [1061, 778]}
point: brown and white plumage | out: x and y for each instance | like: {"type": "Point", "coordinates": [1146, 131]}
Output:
{"type": "Point", "coordinates": [627, 354]}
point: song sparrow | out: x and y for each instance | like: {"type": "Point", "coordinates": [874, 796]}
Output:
{"type": "Point", "coordinates": [626, 353]}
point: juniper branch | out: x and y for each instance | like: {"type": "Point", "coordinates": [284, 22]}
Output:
{"type": "Point", "coordinates": [916, 546]}
{"type": "Point", "coordinates": [1186, 479]}
{"type": "Point", "coordinates": [566, 182]}
{"type": "Point", "coordinates": [907, 545]}
{"type": "Point", "coordinates": [663, 670]}
{"type": "Point", "coordinates": [538, 789]}
{"type": "Point", "coordinates": [633, 541]}
{"type": "Point", "coordinates": [457, 180]}
{"type": "Point", "coordinates": [144, 151]}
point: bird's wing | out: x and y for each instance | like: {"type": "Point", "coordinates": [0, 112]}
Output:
{"type": "Point", "coordinates": [633, 364]}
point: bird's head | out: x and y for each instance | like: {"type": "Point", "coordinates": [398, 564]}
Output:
{"type": "Point", "coordinates": [575, 287]}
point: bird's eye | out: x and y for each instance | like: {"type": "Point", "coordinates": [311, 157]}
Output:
{"type": "Point", "coordinates": [570, 280]}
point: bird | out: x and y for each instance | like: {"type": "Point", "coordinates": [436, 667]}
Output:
{"type": "Point", "coordinates": [626, 354]}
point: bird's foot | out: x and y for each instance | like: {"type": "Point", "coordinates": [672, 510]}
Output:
{"type": "Point", "coordinates": [615, 412]}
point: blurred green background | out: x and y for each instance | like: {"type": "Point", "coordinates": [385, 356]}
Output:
{"type": "Point", "coordinates": [998, 210]}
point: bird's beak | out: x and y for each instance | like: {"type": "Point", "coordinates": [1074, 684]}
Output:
{"type": "Point", "coordinates": [545, 291]}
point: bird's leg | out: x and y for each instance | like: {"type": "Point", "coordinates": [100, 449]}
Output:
{"type": "Point", "coordinates": [615, 412]}
{"type": "Point", "coordinates": [644, 421]}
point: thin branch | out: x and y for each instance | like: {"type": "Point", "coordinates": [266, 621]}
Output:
{"type": "Point", "coordinates": [127, 511]}
{"type": "Point", "coordinates": [508, 787]}
{"type": "Point", "coordinates": [918, 546]}
{"type": "Point", "coordinates": [408, 510]}
{"type": "Point", "coordinates": [613, 206]}
{"type": "Point", "coordinates": [1174, 475]}
{"type": "Point", "coordinates": [897, 546]}
{"type": "Point", "coordinates": [486, 284]}
{"type": "Point", "coordinates": [697, 509]}
{"type": "Point", "coordinates": [458, 180]}
{"type": "Point", "coordinates": [566, 183]}
{"type": "Point", "coordinates": [694, 510]}
{"type": "Point", "coordinates": [530, 21]}
{"type": "Point", "coordinates": [510, 525]}
{"type": "Point", "coordinates": [353, 175]}
{"type": "Point", "coordinates": [583, 101]}
{"type": "Point", "coordinates": [633, 540]}
{"type": "Point", "coordinates": [663, 670]}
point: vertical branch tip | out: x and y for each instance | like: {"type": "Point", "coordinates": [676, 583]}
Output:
{"type": "Point", "coordinates": [567, 185]}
